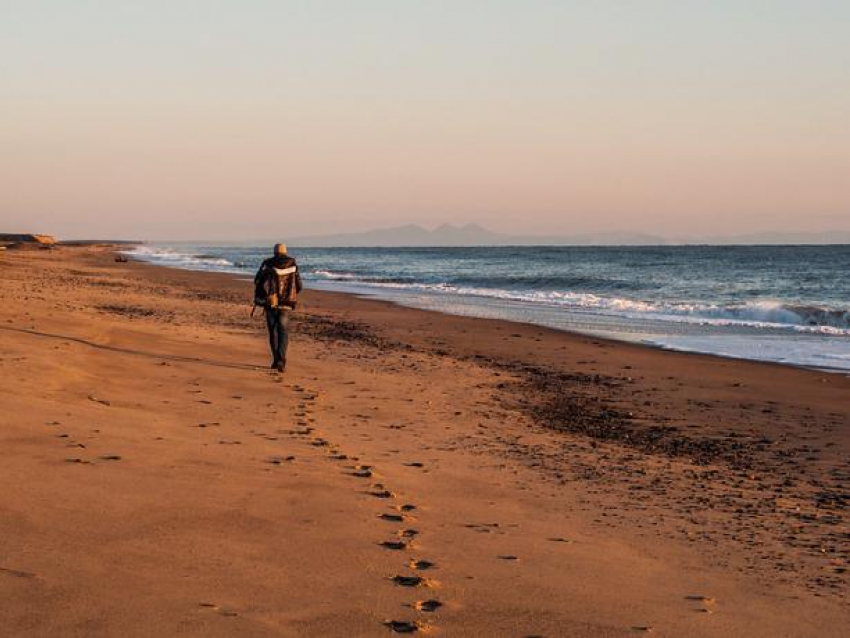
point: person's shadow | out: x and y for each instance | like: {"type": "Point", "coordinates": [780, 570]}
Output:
{"type": "Point", "coordinates": [138, 353]}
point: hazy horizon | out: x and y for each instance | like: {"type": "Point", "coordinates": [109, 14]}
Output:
{"type": "Point", "coordinates": [473, 234]}
{"type": "Point", "coordinates": [225, 120]}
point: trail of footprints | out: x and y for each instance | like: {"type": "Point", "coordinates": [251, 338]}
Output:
{"type": "Point", "coordinates": [405, 540]}
{"type": "Point", "coordinates": [70, 442]}
{"type": "Point", "coordinates": [402, 540]}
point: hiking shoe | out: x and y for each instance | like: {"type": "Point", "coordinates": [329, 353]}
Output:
{"type": "Point", "coordinates": [281, 366]}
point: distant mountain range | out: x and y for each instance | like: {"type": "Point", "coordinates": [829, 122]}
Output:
{"type": "Point", "coordinates": [476, 235]}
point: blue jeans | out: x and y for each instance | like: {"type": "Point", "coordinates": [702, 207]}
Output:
{"type": "Point", "coordinates": [277, 321]}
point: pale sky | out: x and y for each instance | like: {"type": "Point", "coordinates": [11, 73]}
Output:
{"type": "Point", "coordinates": [216, 119]}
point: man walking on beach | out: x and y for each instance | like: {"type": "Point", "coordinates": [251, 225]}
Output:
{"type": "Point", "coordinates": [276, 287]}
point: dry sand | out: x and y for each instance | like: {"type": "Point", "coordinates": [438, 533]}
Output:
{"type": "Point", "coordinates": [469, 477]}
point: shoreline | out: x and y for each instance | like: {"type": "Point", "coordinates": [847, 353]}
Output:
{"type": "Point", "coordinates": [574, 333]}
{"type": "Point", "coordinates": [563, 484]}
{"type": "Point", "coordinates": [768, 343]}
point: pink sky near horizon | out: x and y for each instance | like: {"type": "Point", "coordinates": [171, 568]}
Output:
{"type": "Point", "coordinates": [223, 120]}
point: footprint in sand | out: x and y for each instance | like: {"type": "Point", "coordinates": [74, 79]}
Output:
{"type": "Point", "coordinates": [707, 601]}
{"type": "Point", "coordinates": [420, 565]}
{"type": "Point", "coordinates": [380, 491]}
{"type": "Point", "coordinates": [408, 533]}
{"type": "Point", "coordinates": [407, 507]}
{"type": "Point", "coordinates": [394, 518]}
{"type": "Point", "coordinates": [429, 605]}
{"type": "Point", "coordinates": [403, 626]}
{"type": "Point", "coordinates": [224, 611]}
{"type": "Point", "coordinates": [396, 545]}
{"type": "Point", "coordinates": [409, 581]}
{"type": "Point", "coordinates": [414, 464]}
{"type": "Point", "coordinates": [77, 460]}
{"type": "Point", "coordinates": [484, 528]}
{"type": "Point", "coordinates": [508, 557]}
{"type": "Point", "coordinates": [277, 460]}
{"type": "Point", "coordinates": [110, 457]}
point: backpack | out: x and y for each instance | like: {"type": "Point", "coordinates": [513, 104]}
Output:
{"type": "Point", "coordinates": [276, 288]}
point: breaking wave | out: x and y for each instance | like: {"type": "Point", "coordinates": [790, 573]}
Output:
{"type": "Point", "coordinates": [177, 258]}
{"type": "Point", "coordinates": [756, 314]}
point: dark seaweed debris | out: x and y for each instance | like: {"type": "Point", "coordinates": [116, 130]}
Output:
{"type": "Point", "coordinates": [325, 328]}
{"type": "Point", "coordinates": [571, 403]}
{"type": "Point", "coordinates": [135, 312]}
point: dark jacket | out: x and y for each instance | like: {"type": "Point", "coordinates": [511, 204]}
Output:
{"type": "Point", "coordinates": [283, 271]}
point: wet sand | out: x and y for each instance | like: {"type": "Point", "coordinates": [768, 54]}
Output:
{"type": "Point", "coordinates": [410, 471]}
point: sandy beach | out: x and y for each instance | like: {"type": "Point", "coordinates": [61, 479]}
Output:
{"type": "Point", "coordinates": [411, 471]}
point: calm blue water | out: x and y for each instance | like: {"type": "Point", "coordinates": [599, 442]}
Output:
{"type": "Point", "coordinates": [787, 304]}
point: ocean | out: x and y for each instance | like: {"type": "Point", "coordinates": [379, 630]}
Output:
{"type": "Point", "coordinates": [786, 304]}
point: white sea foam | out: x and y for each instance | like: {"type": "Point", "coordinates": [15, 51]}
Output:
{"type": "Point", "coordinates": [178, 258]}
{"type": "Point", "coordinates": [758, 314]}
{"type": "Point", "coordinates": [334, 276]}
